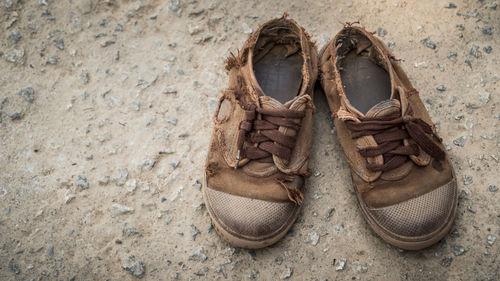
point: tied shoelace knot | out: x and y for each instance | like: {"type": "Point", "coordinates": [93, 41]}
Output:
{"type": "Point", "coordinates": [263, 136]}
{"type": "Point", "coordinates": [389, 133]}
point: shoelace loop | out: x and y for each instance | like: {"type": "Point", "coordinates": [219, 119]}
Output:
{"type": "Point", "coordinates": [262, 135]}
{"type": "Point", "coordinates": [389, 133]}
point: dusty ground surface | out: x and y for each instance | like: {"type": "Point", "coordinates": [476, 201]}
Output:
{"type": "Point", "coordinates": [101, 164]}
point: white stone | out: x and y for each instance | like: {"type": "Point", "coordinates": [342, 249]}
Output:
{"type": "Point", "coordinates": [131, 185]}
{"type": "Point", "coordinates": [484, 97]}
{"type": "Point", "coordinates": [118, 210]}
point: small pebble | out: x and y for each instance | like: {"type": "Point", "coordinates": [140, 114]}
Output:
{"type": "Point", "coordinates": [14, 36]}
{"type": "Point", "coordinates": [471, 106]}
{"type": "Point", "coordinates": [463, 194]}
{"type": "Point", "coordinates": [493, 188]}
{"type": "Point", "coordinates": [460, 141]}
{"type": "Point", "coordinates": [428, 43]}
{"type": "Point", "coordinates": [120, 177]}
{"type": "Point", "coordinates": [106, 43]}
{"type": "Point", "coordinates": [15, 115]}
{"type": "Point", "coordinates": [194, 232]}
{"type": "Point", "coordinates": [194, 29]}
{"type": "Point", "coordinates": [118, 209]}
{"type": "Point", "coordinates": [491, 239]}
{"type": "Point", "coordinates": [175, 164]}
{"type": "Point", "coordinates": [441, 88]}
{"type": "Point", "coordinates": [68, 198]}
{"type": "Point", "coordinates": [314, 238]}
{"type": "Point", "coordinates": [287, 274]}
{"type": "Point", "coordinates": [446, 262]}
{"type": "Point", "coordinates": [361, 268]}
{"type": "Point", "coordinates": [246, 28]}
{"type": "Point", "coordinates": [381, 32]}
{"type": "Point", "coordinates": [452, 56]}
{"type": "Point", "coordinates": [28, 94]}
{"type": "Point", "coordinates": [487, 31]}
{"type": "Point", "coordinates": [254, 274]}
{"type": "Point", "coordinates": [475, 51]}
{"type": "Point", "coordinates": [8, 3]}
{"type": "Point", "coordinates": [467, 179]}
{"type": "Point", "coordinates": [169, 90]}
{"type": "Point", "coordinates": [3, 192]}
{"type": "Point", "coordinates": [337, 228]}
{"type": "Point", "coordinates": [470, 209]}
{"type": "Point", "coordinates": [50, 251]}
{"type": "Point", "coordinates": [171, 120]}
{"type": "Point", "coordinates": [131, 185]}
{"type": "Point", "coordinates": [52, 60]}
{"type": "Point", "coordinates": [148, 164]}
{"type": "Point", "coordinates": [450, 6]}
{"type": "Point", "coordinates": [340, 264]}
{"type": "Point", "coordinates": [197, 184]}
{"type": "Point", "coordinates": [207, 37]}
{"type": "Point", "coordinates": [468, 62]}
{"type": "Point", "coordinates": [104, 180]}
{"type": "Point", "coordinates": [46, 13]}
{"type": "Point", "coordinates": [137, 269]}
{"type": "Point", "coordinates": [59, 44]}
{"type": "Point", "coordinates": [82, 182]}
{"type": "Point", "coordinates": [196, 13]}
{"type": "Point", "coordinates": [174, 5]}
{"type": "Point", "coordinates": [135, 106]}
{"type": "Point", "coordinates": [198, 255]}
{"type": "Point", "coordinates": [14, 267]}
{"type": "Point", "coordinates": [484, 97]}
{"type": "Point", "coordinates": [459, 250]}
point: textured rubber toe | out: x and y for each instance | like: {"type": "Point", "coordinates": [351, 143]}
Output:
{"type": "Point", "coordinates": [417, 223]}
{"type": "Point", "coordinates": [249, 223]}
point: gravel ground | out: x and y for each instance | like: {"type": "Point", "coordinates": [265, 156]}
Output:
{"type": "Point", "coordinates": [105, 120]}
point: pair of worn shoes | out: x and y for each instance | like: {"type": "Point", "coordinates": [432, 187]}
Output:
{"type": "Point", "coordinates": [258, 156]}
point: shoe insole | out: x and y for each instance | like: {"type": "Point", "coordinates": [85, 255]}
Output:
{"type": "Point", "coordinates": [279, 76]}
{"type": "Point", "coordinates": [365, 83]}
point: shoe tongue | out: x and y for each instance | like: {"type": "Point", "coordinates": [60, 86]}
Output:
{"type": "Point", "coordinates": [271, 103]}
{"type": "Point", "coordinates": [384, 108]}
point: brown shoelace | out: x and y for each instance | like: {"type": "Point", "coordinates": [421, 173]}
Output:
{"type": "Point", "coordinates": [262, 135]}
{"type": "Point", "coordinates": [389, 133]}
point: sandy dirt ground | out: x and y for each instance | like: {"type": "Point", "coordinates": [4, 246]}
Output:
{"type": "Point", "coordinates": [106, 115]}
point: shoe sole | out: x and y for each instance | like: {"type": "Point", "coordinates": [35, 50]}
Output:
{"type": "Point", "coordinates": [403, 242]}
{"type": "Point", "coordinates": [242, 242]}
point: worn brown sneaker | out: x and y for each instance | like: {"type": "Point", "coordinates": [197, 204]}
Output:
{"type": "Point", "coordinates": [260, 147]}
{"type": "Point", "coordinates": [405, 184]}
